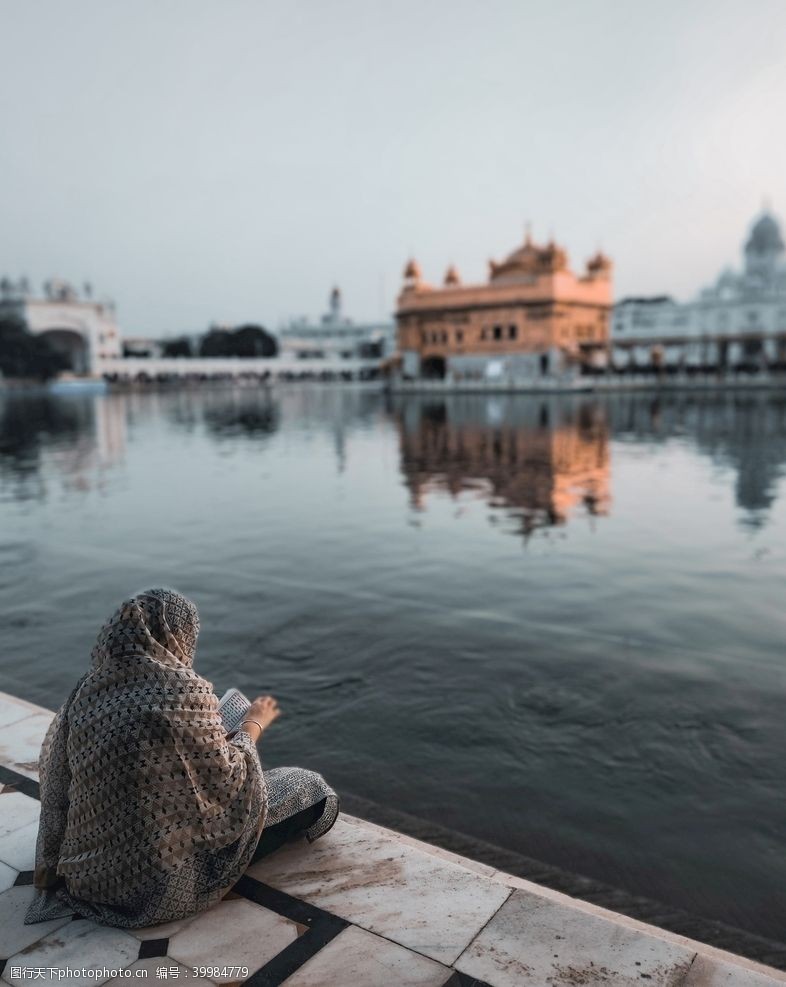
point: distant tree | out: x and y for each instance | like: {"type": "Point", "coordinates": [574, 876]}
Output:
{"type": "Point", "coordinates": [179, 346]}
{"type": "Point", "coordinates": [253, 340]}
{"type": "Point", "coordinates": [246, 340]}
{"type": "Point", "coordinates": [25, 355]}
{"type": "Point", "coordinates": [216, 342]}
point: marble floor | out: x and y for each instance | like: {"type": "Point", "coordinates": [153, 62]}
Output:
{"type": "Point", "coordinates": [363, 907]}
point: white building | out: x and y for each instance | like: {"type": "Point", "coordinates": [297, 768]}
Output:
{"type": "Point", "coordinates": [336, 338]}
{"type": "Point", "coordinates": [739, 323]}
{"type": "Point", "coordinates": [82, 328]}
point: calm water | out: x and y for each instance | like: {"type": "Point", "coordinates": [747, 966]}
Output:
{"type": "Point", "coordinates": [556, 625]}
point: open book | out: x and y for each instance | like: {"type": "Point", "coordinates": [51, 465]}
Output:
{"type": "Point", "coordinates": [232, 707]}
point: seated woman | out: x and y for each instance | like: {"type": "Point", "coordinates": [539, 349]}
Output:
{"type": "Point", "coordinates": [149, 811]}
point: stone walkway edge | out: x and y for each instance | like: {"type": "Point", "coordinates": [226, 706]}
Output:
{"type": "Point", "coordinates": [652, 913]}
{"type": "Point", "coordinates": [366, 906]}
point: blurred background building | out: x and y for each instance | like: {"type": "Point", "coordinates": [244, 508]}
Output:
{"type": "Point", "coordinates": [80, 327]}
{"type": "Point", "coordinates": [738, 323]}
{"type": "Point", "coordinates": [336, 337]}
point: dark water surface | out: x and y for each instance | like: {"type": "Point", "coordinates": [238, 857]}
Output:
{"type": "Point", "coordinates": [557, 625]}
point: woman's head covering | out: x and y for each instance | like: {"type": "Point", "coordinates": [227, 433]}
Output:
{"type": "Point", "coordinates": [148, 810]}
{"type": "Point", "coordinates": [161, 624]}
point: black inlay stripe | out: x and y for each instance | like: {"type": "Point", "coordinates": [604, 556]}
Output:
{"type": "Point", "coordinates": [23, 784]}
{"type": "Point", "coordinates": [322, 926]}
{"type": "Point", "coordinates": [282, 966]}
{"type": "Point", "coordinates": [279, 901]}
{"type": "Point", "coordinates": [24, 877]}
{"type": "Point", "coordinates": [464, 980]}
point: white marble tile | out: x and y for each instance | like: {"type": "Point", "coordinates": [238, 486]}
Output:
{"type": "Point", "coordinates": [360, 958]}
{"type": "Point", "coordinates": [152, 965]}
{"type": "Point", "coordinates": [14, 934]}
{"type": "Point", "coordinates": [6, 697]}
{"type": "Point", "coordinates": [12, 711]}
{"type": "Point", "coordinates": [18, 847]}
{"type": "Point", "coordinates": [706, 972]}
{"type": "Point", "coordinates": [535, 941]}
{"type": "Point", "coordinates": [20, 743]}
{"type": "Point", "coordinates": [164, 931]}
{"type": "Point", "coordinates": [368, 877]}
{"type": "Point", "coordinates": [233, 933]}
{"type": "Point", "coordinates": [79, 945]}
{"type": "Point", "coordinates": [643, 928]}
{"type": "Point", "coordinates": [436, 851]}
{"type": "Point", "coordinates": [7, 877]}
{"type": "Point", "coordinates": [17, 810]}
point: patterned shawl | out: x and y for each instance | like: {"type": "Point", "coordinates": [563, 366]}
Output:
{"type": "Point", "coordinates": [149, 813]}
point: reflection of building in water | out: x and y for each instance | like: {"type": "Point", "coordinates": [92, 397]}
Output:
{"type": "Point", "coordinates": [73, 440]}
{"type": "Point", "coordinates": [79, 326]}
{"type": "Point", "coordinates": [540, 461]}
{"type": "Point", "coordinates": [744, 432]}
{"type": "Point", "coordinates": [100, 444]}
{"type": "Point", "coordinates": [245, 413]}
{"type": "Point", "coordinates": [534, 317]}
{"type": "Point", "coordinates": [739, 323]}
{"type": "Point", "coordinates": [110, 429]}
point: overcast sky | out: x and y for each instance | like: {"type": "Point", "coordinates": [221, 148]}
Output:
{"type": "Point", "coordinates": [230, 160]}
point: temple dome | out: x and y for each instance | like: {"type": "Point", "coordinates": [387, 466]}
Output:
{"type": "Point", "coordinates": [599, 263]}
{"type": "Point", "coordinates": [765, 237]}
{"type": "Point", "coordinates": [452, 276]}
{"type": "Point", "coordinates": [524, 256]}
{"type": "Point", "coordinates": [530, 260]}
{"type": "Point", "coordinates": [412, 270]}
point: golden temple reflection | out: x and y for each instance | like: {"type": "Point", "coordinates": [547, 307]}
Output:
{"type": "Point", "coordinates": [541, 461]}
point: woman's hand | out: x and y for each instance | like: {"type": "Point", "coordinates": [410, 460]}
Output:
{"type": "Point", "coordinates": [264, 709]}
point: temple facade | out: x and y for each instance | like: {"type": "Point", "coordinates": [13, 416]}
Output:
{"type": "Point", "coordinates": [80, 327]}
{"type": "Point", "coordinates": [533, 318]}
{"type": "Point", "coordinates": [737, 324]}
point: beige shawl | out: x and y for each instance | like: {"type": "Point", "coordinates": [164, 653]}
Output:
{"type": "Point", "coordinates": [149, 813]}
